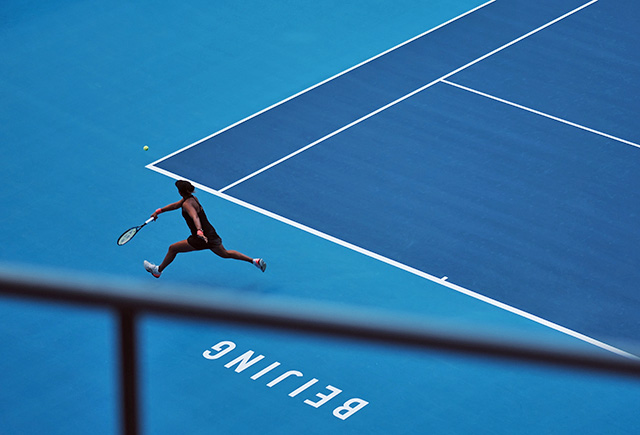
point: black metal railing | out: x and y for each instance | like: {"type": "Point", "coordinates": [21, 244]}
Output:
{"type": "Point", "coordinates": [299, 316]}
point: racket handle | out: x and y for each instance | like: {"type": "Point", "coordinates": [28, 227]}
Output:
{"type": "Point", "coordinates": [149, 220]}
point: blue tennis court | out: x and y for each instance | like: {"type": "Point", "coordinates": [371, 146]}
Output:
{"type": "Point", "coordinates": [473, 164]}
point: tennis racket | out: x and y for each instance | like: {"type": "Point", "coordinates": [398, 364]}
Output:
{"type": "Point", "coordinates": [128, 235]}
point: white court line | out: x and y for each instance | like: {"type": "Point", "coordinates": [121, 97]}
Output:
{"type": "Point", "coordinates": [537, 112]}
{"type": "Point", "coordinates": [322, 82]}
{"type": "Point", "coordinates": [399, 100]}
{"type": "Point", "coordinates": [442, 281]}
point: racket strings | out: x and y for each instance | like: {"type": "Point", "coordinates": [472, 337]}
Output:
{"type": "Point", "coordinates": [124, 238]}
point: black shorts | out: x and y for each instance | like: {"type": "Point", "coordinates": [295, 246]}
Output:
{"type": "Point", "coordinates": [199, 244]}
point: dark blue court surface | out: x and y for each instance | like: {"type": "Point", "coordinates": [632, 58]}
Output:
{"type": "Point", "coordinates": [467, 164]}
{"type": "Point", "coordinates": [522, 208]}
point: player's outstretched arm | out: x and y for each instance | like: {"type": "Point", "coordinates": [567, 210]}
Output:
{"type": "Point", "coordinates": [170, 207]}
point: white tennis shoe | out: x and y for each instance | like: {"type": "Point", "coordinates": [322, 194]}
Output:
{"type": "Point", "coordinates": [152, 269]}
{"type": "Point", "coordinates": [260, 264]}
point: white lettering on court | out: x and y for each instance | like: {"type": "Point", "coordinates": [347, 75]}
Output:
{"type": "Point", "coordinates": [247, 360]}
{"type": "Point", "coordinates": [219, 348]}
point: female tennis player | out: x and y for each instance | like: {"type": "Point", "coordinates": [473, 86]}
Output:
{"type": "Point", "coordinates": [203, 235]}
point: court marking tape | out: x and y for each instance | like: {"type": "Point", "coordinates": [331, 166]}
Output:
{"type": "Point", "coordinates": [401, 99]}
{"type": "Point", "coordinates": [323, 82]}
{"type": "Point", "coordinates": [442, 281]}
{"type": "Point", "coordinates": [537, 112]}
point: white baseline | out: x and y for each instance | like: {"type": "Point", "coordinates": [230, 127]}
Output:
{"type": "Point", "coordinates": [442, 281]}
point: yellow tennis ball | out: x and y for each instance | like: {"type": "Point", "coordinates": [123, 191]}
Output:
{"type": "Point", "coordinates": [146, 148]}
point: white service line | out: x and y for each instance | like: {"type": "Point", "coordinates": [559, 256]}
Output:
{"type": "Point", "coordinates": [399, 100]}
{"type": "Point", "coordinates": [442, 281]}
{"type": "Point", "coordinates": [537, 112]}
{"type": "Point", "coordinates": [321, 83]}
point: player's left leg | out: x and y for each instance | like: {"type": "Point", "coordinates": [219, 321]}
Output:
{"type": "Point", "coordinates": [221, 251]}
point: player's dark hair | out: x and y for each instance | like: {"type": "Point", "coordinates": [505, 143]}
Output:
{"type": "Point", "coordinates": [184, 187]}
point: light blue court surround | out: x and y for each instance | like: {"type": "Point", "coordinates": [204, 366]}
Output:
{"type": "Point", "coordinates": [84, 86]}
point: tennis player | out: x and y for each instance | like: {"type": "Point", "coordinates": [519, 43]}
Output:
{"type": "Point", "coordinates": [203, 235]}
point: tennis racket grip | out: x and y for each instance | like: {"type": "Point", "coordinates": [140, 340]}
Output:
{"type": "Point", "coordinates": [148, 220]}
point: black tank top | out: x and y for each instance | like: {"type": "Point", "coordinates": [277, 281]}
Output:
{"type": "Point", "coordinates": [207, 228]}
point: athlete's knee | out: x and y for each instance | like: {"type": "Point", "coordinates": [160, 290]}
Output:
{"type": "Point", "coordinates": [221, 252]}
